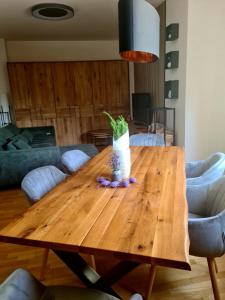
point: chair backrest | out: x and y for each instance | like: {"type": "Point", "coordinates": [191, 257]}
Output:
{"type": "Point", "coordinates": [74, 159]}
{"type": "Point", "coordinates": [215, 203]}
{"type": "Point", "coordinates": [21, 285]}
{"type": "Point", "coordinates": [215, 160]}
{"type": "Point", "coordinates": [40, 181]}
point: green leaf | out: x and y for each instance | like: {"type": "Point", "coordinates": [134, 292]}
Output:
{"type": "Point", "coordinates": [119, 126]}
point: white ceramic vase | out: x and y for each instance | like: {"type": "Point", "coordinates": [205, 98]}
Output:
{"type": "Point", "coordinates": [122, 150]}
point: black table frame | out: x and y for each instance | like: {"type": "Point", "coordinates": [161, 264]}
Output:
{"type": "Point", "coordinates": [90, 277]}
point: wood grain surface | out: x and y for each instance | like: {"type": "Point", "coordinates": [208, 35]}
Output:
{"type": "Point", "coordinates": [146, 222]}
{"type": "Point", "coordinates": [68, 95]}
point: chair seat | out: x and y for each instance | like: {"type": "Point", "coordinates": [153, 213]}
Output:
{"type": "Point", "coordinates": [73, 293]}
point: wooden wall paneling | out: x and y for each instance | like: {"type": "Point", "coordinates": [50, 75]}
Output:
{"type": "Point", "coordinates": [63, 81]}
{"type": "Point", "coordinates": [99, 84]}
{"type": "Point", "coordinates": [69, 95]}
{"type": "Point", "coordinates": [23, 118]}
{"type": "Point", "coordinates": [63, 84]}
{"type": "Point", "coordinates": [112, 83]}
{"type": "Point", "coordinates": [65, 128]}
{"type": "Point", "coordinates": [42, 89]}
{"type": "Point", "coordinates": [20, 85]}
{"type": "Point", "coordinates": [75, 122]}
{"type": "Point", "coordinates": [81, 73]}
{"type": "Point", "coordinates": [124, 100]}
{"type": "Point", "coordinates": [87, 120]}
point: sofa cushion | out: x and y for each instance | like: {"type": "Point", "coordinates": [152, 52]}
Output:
{"type": "Point", "coordinates": [6, 133]}
{"type": "Point", "coordinates": [3, 141]}
{"type": "Point", "coordinates": [27, 134]}
{"type": "Point", "coordinates": [10, 146]}
{"type": "Point", "coordinates": [20, 144]}
{"type": "Point", "coordinates": [13, 129]}
{"type": "Point", "coordinates": [20, 137]}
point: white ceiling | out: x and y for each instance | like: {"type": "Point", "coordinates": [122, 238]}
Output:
{"type": "Point", "coordinates": [94, 20]}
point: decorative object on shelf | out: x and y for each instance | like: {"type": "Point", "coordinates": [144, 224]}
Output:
{"type": "Point", "coordinates": [121, 144]}
{"type": "Point", "coordinates": [139, 31]}
{"type": "Point", "coordinates": [172, 89]}
{"type": "Point", "coordinates": [172, 60]}
{"type": "Point", "coordinates": [172, 32]}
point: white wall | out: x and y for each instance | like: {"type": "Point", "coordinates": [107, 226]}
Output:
{"type": "Point", "coordinates": [205, 89]}
{"type": "Point", "coordinates": [4, 84]}
{"type": "Point", "coordinates": [62, 50]}
{"type": "Point", "coordinates": [177, 12]}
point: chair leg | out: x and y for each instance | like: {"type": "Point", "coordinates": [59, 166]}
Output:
{"type": "Point", "coordinates": [93, 263]}
{"type": "Point", "coordinates": [212, 274]}
{"type": "Point", "coordinates": [152, 274]}
{"type": "Point", "coordinates": [216, 267]}
{"type": "Point", "coordinates": [44, 264]}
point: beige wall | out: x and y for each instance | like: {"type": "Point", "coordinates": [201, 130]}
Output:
{"type": "Point", "coordinates": [4, 84]}
{"type": "Point", "coordinates": [205, 89]}
{"type": "Point", "coordinates": [177, 12]}
{"type": "Point", "coordinates": [62, 50]}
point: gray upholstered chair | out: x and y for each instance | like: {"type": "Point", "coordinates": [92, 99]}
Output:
{"type": "Point", "coordinates": [205, 171]}
{"type": "Point", "coordinates": [207, 223]}
{"type": "Point", "coordinates": [36, 184]}
{"type": "Point", "coordinates": [74, 159]}
{"type": "Point", "coordinates": [21, 285]}
{"type": "Point", "coordinates": [146, 139]}
{"type": "Point", "coordinates": [40, 181]}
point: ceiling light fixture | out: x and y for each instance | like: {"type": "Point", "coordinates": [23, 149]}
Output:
{"type": "Point", "coordinates": [139, 31]}
{"type": "Point", "coordinates": [52, 11]}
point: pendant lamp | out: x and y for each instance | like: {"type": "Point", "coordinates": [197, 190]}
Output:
{"type": "Point", "coordinates": [139, 31]}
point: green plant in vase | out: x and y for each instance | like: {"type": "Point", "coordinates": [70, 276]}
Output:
{"type": "Point", "coordinates": [120, 143]}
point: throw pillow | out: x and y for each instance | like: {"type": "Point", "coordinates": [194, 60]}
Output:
{"type": "Point", "coordinates": [20, 137]}
{"type": "Point", "coordinates": [20, 144]}
{"type": "Point", "coordinates": [10, 146]}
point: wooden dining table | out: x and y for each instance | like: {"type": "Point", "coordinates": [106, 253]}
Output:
{"type": "Point", "coordinates": [147, 222]}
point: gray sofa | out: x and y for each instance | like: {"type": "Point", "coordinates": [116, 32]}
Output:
{"type": "Point", "coordinates": [15, 164]}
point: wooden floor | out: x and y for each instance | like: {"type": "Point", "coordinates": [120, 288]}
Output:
{"type": "Point", "coordinates": [170, 283]}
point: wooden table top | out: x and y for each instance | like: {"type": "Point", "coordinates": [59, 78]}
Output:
{"type": "Point", "coordinates": [146, 222]}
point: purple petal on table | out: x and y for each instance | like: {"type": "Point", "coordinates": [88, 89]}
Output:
{"type": "Point", "coordinates": [100, 179]}
{"type": "Point", "coordinates": [132, 180]}
{"type": "Point", "coordinates": [125, 183]}
{"type": "Point", "coordinates": [114, 184]}
{"type": "Point", "coordinates": [105, 183]}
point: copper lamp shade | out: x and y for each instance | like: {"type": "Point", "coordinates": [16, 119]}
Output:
{"type": "Point", "coordinates": [139, 31]}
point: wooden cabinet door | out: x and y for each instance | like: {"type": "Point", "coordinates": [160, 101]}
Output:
{"type": "Point", "coordinates": [81, 73]}
{"type": "Point", "coordinates": [20, 85]}
{"type": "Point", "coordinates": [69, 95]}
{"type": "Point", "coordinates": [42, 89]}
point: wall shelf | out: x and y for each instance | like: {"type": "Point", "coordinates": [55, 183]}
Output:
{"type": "Point", "coordinates": [172, 89]}
{"type": "Point", "coordinates": [172, 32]}
{"type": "Point", "coordinates": [172, 60]}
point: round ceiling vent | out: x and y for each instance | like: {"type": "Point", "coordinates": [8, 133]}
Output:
{"type": "Point", "coordinates": [52, 11]}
